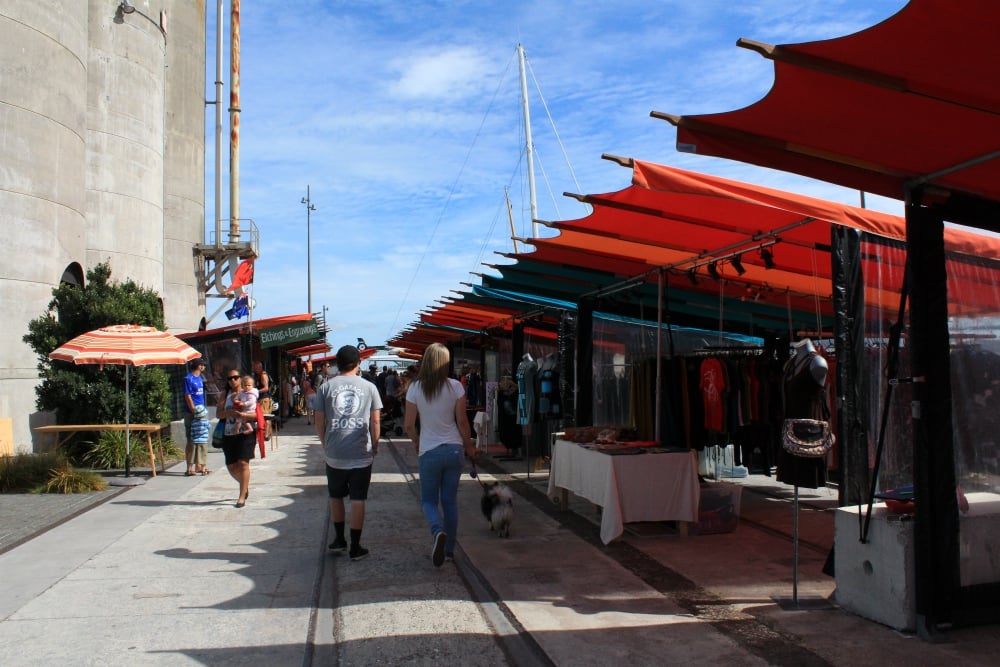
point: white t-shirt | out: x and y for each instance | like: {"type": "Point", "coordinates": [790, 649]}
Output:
{"type": "Point", "coordinates": [437, 418]}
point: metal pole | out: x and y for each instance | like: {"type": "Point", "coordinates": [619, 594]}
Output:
{"type": "Point", "coordinates": [309, 276]}
{"type": "Point", "coordinates": [218, 133]}
{"type": "Point", "coordinates": [795, 548]}
{"type": "Point", "coordinates": [529, 145]}
{"type": "Point", "coordinates": [234, 123]}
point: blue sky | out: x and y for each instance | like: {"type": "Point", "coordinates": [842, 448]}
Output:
{"type": "Point", "coordinates": [405, 120]}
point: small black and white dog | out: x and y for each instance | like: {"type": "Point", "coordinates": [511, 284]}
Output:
{"type": "Point", "coordinates": [498, 506]}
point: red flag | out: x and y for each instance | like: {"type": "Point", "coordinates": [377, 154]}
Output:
{"type": "Point", "coordinates": [243, 275]}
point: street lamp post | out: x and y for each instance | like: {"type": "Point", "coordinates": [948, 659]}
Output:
{"type": "Point", "coordinates": [309, 272]}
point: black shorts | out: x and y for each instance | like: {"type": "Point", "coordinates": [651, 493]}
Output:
{"type": "Point", "coordinates": [353, 482]}
{"type": "Point", "coordinates": [240, 447]}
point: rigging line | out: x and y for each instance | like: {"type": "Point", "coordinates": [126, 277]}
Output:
{"type": "Point", "coordinates": [548, 114]}
{"type": "Point", "coordinates": [548, 186]}
{"type": "Point", "coordinates": [500, 211]}
{"type": "Point", "coordinates": [444, 207]}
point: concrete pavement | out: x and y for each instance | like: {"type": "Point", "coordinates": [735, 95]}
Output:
{"type": "Point", "coordinates": [171, 573]}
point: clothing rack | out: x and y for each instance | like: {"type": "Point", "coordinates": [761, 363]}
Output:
{"type": "Point", "coordinates": [723, 351]}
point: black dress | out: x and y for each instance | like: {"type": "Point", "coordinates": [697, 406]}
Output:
{"type": "Point", "coordinates": [804, 399]}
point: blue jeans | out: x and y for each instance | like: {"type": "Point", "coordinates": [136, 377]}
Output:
{"type": "Point", "coordinates": [440, 470]}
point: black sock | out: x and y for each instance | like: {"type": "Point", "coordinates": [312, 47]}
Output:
{"type": "Point", "coordinates": [355, 537]}
{"type": "Point", "coordinates": [338, 527]}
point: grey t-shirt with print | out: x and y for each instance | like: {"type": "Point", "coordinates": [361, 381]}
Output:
{"type": "Point", "coordinates": [347, 402]}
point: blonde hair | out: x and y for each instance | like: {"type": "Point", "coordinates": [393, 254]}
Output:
{"type": "Point", "coordinates": [434, 368]}
{"type": "Point", "coordinates": [248, 378]}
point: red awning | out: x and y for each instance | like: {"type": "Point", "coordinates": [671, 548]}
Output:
{"type": "Point", "coordinates": [909, 102]}
{"type": "Point", "coordinates": [307, 350]}
{"type": "Point", "coordinates": [684, 222]}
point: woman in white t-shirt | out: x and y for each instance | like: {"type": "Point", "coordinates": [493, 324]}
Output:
{"type": "Point", "coordinates": [443, 438]}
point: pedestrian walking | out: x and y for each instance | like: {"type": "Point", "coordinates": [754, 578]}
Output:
{"type": "Point", "coordinates": [444, 436]}
{"type": "Point", "coordinates": [348, 424]}
{"type": "Point", "coordinates": [237, 446]}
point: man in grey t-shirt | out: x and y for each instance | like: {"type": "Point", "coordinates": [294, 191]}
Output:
{"type": "Point", "coordinates": [348, 424]}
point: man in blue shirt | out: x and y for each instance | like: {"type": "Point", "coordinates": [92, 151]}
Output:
{"type": "Point", "coordinates": [194, 395]}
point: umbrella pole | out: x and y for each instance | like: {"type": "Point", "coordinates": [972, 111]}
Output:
{"type": "Point", "coordinates": [128, 438]}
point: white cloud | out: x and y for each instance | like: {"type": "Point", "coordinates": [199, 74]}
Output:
{"type": "Point", "coordinates": [455, 72]}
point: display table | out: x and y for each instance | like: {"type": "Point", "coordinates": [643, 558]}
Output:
{"type": "Point", "coordinates": [633, 487]}
{"type": "Point", "coordinates": [69, 429]}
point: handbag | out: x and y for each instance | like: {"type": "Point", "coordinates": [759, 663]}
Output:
{"type": "Point", "coordinates": [807, 437]}
{"type": "Point", "coordinates": [219, 433]}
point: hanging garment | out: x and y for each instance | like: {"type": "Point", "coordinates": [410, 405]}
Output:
{"type": "Point", "coordinates": [713, 388]}
{"type": "Point", "coordinates": [526, 372]}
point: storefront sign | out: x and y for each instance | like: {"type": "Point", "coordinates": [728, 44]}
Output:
{"type": "Point", "coordinates": [288, 333]}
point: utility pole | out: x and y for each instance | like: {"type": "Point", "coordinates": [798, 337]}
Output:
{"type": "Point", "coordinates": [309, 271]}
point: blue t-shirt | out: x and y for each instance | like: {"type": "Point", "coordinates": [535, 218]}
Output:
{"type": "Point", "coordinates": [194, 386]}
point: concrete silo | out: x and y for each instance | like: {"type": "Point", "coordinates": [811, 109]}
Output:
{"type": "Point", "coordinates": [101, 158]}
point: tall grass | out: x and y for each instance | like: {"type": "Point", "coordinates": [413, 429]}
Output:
{"type": "Point", "coordinates": [45, 473]}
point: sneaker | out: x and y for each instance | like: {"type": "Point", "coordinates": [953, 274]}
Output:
{"type": "Point", "coordinates": [358, 552]}
{"type": "Point", "coordinates": [449, 558]}
{"type": "Point", "coordinates": [338, 545]}
{"type": "Point", "coordinates": [437, 554]}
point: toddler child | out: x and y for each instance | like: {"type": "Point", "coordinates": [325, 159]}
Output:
{"type": "Point", "coordinates": [246, 401]}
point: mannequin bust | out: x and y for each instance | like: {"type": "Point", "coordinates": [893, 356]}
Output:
{"type": "Point", "coordinates": [548, 363]}
{"type": "Point", "coordinates": [818, 367]}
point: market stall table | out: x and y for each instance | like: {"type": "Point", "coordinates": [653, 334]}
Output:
{"type": "Point", "coordinates": [649, 486]}
{"type": "Point", "coordinates": [68, 429]}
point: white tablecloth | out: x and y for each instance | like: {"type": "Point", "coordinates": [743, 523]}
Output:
{"type": "Point", "coordinates": [640, 487]}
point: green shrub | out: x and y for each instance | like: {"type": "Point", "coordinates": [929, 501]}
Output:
{"type": "Point", "coordinates": [95, 394]}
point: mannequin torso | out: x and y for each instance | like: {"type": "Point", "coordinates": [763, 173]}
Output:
{"type": "Point", "coordinates": [805, 353]}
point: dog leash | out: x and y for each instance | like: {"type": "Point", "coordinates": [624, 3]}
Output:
{"type": "Point", "coordinates": [474, 474]}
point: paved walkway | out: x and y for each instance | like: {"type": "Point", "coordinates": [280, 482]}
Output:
{"type": "Point", "coordinates": [171, 573]}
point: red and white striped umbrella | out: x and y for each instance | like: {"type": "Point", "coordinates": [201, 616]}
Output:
{"type": "Point", "coordinates": [128, 344]}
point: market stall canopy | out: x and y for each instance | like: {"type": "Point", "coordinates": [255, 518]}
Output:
{"type": "Point", "coordinates": [743, 254]}
{"type": "Point", "coordinates": [909, 105]}
{"type": "Point", "coordinates": [309, 350]}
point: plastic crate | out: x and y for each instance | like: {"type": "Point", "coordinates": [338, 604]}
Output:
{"type": "Point", "coordinates": [719, 509]}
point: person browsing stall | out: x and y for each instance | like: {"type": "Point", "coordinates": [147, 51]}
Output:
{"type": "Point", "coordinates": [194, 396]}
{"type": "Point", "coordinates": [263, 382]}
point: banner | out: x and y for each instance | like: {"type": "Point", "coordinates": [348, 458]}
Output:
{"type": "Point", "coordinates": [289, 333]}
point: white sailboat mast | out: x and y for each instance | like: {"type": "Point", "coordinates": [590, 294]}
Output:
{"type": "Point", "coordinates": [529, 146]}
